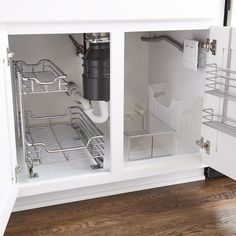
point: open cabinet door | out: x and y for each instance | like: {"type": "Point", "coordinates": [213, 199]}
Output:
{"type": "Point", "coordinates": [219, 115]}
{"type": "Point", "coordinates": [8, 183]}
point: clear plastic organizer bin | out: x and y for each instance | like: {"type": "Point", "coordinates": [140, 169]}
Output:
{"type": "Point", "coordinates": [148, 137]}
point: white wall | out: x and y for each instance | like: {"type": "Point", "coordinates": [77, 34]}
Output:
{"type": "Point", "coordinates": [136, 71]}
{"type": "Point", "coordinates": [166, 65]}
{"type": "Point", "coordinates": [149, 63]}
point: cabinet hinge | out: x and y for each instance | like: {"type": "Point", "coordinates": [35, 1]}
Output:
{"type": "Point", "coordinates": [204, 145]}
{"type": "Point", "coordinates": [10, 55]}
{"type": "Point", "coordinates": [210, 46]}
{"type": "Point", "coordinates": [17, 171]}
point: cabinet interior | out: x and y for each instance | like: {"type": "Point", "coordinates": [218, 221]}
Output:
{"type": "Point", "coordinates": [59, 49]}
{"type": "Point", "coordinates": [163, 101]}
{"type": "Point", "coordinates": [157, 85]}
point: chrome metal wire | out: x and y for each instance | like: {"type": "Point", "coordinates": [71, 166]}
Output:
{"type": "Point", "coordinates": [42, 77]}
{"type": "Point", "coordinates": [55, 140]}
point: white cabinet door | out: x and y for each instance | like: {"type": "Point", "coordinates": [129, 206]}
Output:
{"type": "Point", "coordinates": [219, 116]}
{"type": "Point", "coordinates": [8, 185]}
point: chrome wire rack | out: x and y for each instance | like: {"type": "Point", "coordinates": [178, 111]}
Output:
{"type": "Point", "coordinates": [62, 138]}
{"type": "Point", "coordinates": [219, 122]}
{"type": "Point", "coordinates": [42, 77]}
{"type": "Point", "coordinates": [221, 82]}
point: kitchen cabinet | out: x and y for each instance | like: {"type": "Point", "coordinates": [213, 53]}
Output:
{"type": "Point", "coordinates": [135, 67]}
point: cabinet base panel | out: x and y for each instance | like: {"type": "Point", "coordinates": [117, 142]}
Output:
{"type": "Point", "coordinates": [60, 197]}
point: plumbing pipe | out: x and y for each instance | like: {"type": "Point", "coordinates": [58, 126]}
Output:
{"type": "Point", "coordinates": [74, 92]}
{"type": "Point", "coordinates": [80, 99]}
{"type": "Point", "coordinates": [167, 38]}
{"type": "Point", "coordinates": [103, 108]}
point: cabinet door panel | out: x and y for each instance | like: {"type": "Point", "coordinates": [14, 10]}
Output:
{"type": "Point", "coordinates": [8, 185]}
{"type": "Point", "coordinates": [220, 104]}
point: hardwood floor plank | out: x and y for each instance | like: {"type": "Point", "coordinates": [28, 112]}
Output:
{"type": "Point", "coordinates": [200, 208]}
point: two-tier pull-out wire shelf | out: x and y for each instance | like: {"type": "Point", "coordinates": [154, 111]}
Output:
{"type": "Point", "coordinates": [54, 139]}
{"type": "Point", "coordinates": [61, 138]}
{"type": "Point", "coordinates": [220, 83]}
{"type": "Point", "coordinates": [42, 77]}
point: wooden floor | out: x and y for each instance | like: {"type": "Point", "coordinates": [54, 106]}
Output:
{"type": "Point", "coordinates": [200, 208]}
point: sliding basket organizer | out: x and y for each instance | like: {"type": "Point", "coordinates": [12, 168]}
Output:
{"type": "Point", "coordinates": [58, 138]}
{"type": "Point", "coordinates": [42, 77]}
{"type": "Point", "coordinates": [220, 83]}
{"type": "Point", "coordinates": [62, 138]}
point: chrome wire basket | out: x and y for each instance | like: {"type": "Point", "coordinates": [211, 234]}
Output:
{"type": "Point", "coordinates": [59, 138]}
{"type": "Point", "coordinates": [42, 77]}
